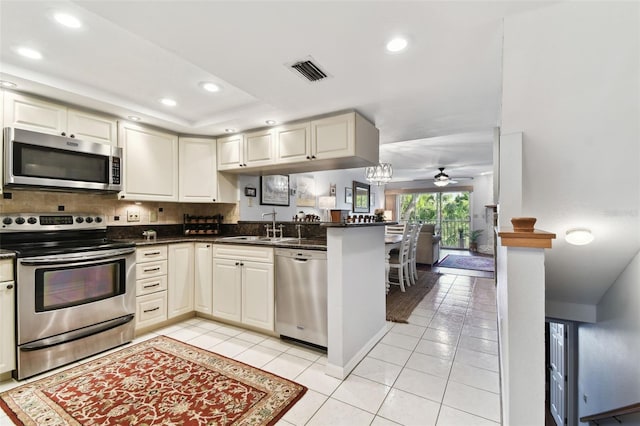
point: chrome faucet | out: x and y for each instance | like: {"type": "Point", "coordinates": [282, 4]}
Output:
{"type": "Point", "coordinates": [273, 223]}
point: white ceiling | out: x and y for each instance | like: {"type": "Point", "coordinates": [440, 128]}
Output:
{"type": "Point", "coordinates": [436, 103]}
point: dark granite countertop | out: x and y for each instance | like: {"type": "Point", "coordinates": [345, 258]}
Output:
{"type": "Point", "coordinates": [7, 254]}
{"type": "Point", "coordinates": [304, 243]}
{"type": "Point", "coordinates": [354, 225]}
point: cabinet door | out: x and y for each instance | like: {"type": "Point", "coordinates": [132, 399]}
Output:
{"type": "Point", "coordinates": [180, 280]}
{"type": "Point", "coordinates": [34, 114]}
{"type": "Point", "coordinates": [227, 289]}
{"type": "Point", "coordinates": [333, 137]}
{"type": "Point", "coordinates": [7, 329]}
{"type": "Point", "coordinates": [293, 143]}
{"type": "Point", "coordinates": [150, 163]}
{"type": "Point", "coordinates": [230, 152]}
{"type": "Point", "coordinates": [197, 180]}
{"type": "Point", "coordinates": [151, 309]}
{"type": "Point", "coordinates": [203, 265]}
{"type": "Point", "coordinates": [91, 127]}
{"type": "Point", "coordinates": [258, 295]}
{"type": "Point", "coordinates": [258, 148]}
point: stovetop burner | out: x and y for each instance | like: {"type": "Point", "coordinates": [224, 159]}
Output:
{"type": "Point", "coordinates": [39, 234]}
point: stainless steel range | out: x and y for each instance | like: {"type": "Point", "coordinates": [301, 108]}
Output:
{"type": "Point", "coordinates": [75, 288]}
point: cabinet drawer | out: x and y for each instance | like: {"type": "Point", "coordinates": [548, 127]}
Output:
{"type": "Point", "coordinates": [151, 269]}
{"type": "Point", "coordinates": [151, 309]}
{"type": "Point", "coordinates": [243, 252]}
{"type": "Point", "coordinates": [6, 270]}
{"type": "Point", "coordinates": [151, 285]}
{"type": "Point", "coordinates": [147, 254]}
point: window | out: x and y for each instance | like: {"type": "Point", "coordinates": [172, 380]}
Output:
{"type": "Point", "coordinates": [449, 211]}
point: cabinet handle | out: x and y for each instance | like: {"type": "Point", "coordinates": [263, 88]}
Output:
{"type": "Point", "coordinates": [237, 263]}
{"type": "Point", "coordinates": [151, 269]}
{"type": "Point", "coordinates": [9, 286]}
{"type": "Point", "coordinates": [241, 264]}
{"type": "Point", "coordinates": [157, 308]}
{"type": "Point", "coordinates": [313, 157]}
{"type": "Point", "coordinates": [63, 134]}
{"type": "Point", "coordinates": [151, 285]}
{"type": "Point", "coordinates": [308, 158]}
{"type": "Point", "coordinates": [208, 245]}
{"type": "Point", "coordinates": [72, 135]}
{"type": "Point", "coordinates": [214, 200]}
{"type": "Point", "coordinates": [152, 253]}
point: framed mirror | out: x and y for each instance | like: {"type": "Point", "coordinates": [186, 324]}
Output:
{"type": "Point", "coordinates": [361, 196]}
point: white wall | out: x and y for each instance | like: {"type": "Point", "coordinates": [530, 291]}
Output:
{"type": "Point", "coordinates": [609, 351]}
{"type": "Point", "coordinates": [571, 86]}
{"type": "Point", "coordinates": [250, 208]}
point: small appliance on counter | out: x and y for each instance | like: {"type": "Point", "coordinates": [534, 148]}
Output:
{"type": "Point", "coordinates": [202, 225]}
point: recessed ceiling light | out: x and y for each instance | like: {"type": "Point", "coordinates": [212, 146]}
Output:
{"type": "Point", "coordinates": [168, 102]}
{"type": "Point", "coordinates": [29, 53]}
{"type": "Point", "coordinates": [9, 84]}
{"type": "Point", "coordinates": [134, 118]}
{"type": "Point", "coordinates": [67, 20]}
{"type": "Point", "coordinates": [209, 87]}
{"type": "Point", "coordinates": [229, 130]}
{"type": "Point", "coordinates": [270, 122]}
{"type": "Point", "coordinates": [397, 44]}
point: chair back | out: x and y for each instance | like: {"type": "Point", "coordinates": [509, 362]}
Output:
{"type": "Point", "coordinates": [415, 234]}
{"type": "Point", "coordinates": [405, 246]}
{"type": "Point", "coordinates": [395, 229]}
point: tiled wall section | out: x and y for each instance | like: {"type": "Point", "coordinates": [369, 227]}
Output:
{"type": "Point", "coordinates": [172, 213]}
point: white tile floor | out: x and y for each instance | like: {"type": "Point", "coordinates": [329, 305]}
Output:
{"type": "Point", "coordinates": [440, 369]}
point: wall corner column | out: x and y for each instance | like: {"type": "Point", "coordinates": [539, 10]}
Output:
{"type": "Point", "coordinates": [520, 278]}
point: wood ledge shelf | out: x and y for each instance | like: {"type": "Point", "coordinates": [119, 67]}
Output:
{"type": "Point", "coordinates": [535, 239]}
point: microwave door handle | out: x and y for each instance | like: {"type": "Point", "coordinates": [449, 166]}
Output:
{"type": "Point", "coordinates": [59, 260]}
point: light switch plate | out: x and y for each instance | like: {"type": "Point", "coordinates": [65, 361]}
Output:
{"type": "Point", "coordinates": [133, 215]}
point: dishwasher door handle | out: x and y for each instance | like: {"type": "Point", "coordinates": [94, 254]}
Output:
{"type": "Point", "coordinates": [299, 259]}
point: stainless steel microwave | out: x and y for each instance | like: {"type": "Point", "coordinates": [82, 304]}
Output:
{"type": "Point", "coordinates": [39, 160]}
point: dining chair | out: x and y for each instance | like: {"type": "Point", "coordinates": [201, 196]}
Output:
{"type": "Point", "coordinates": [400, 260]}
{"type": "Point", "coordinates": [395, 229]}
{"type": "Point", "coordinates": [413, 249]}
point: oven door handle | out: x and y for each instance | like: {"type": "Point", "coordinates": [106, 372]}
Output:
{"type": "Point", "coordinates": [63, 259]}
{"type": "Point", "coordinates": [77, 334]}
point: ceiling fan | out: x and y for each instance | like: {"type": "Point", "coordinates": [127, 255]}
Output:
{"type": "Point", "coordinates": [443, 179]}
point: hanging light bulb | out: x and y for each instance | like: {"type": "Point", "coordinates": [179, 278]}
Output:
{"type": "Point", "coordinates": [379, 174]}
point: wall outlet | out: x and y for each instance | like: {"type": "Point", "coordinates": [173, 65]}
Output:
{"type": "Point", "coordinates": [133, 215]}
{"type": "Point", "coordinates": [153, 216]}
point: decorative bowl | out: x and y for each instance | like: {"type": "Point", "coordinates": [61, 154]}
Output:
{"type": "Point", "coordinates": [523, 224]}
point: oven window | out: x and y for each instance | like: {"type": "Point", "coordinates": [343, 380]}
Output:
{"type": "Point", "coordinates": [63, 287]}
{"type": "Point", "coordinates": [52, 163]}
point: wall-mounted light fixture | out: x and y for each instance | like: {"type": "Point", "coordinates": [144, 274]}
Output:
{"type": "Point", "coordinates": [579, 236]}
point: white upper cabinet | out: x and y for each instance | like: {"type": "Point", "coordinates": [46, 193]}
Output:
{"type": "Point", "coordinates": [341, 141]}
{"type": "Point", "coordinates": [199, 180]}
{"type": "Point", "coordinates": [230, 152]}
{"type": "Point", "coordinates": [243, 151]}
{"type": "Point", "coordinates": [150, 163]}
{"type": "Point", "coordinates": [258, 148]}
{"type": "Point", "coordinates": [333, 137]}
{"type": "Point", "coordinates": [25, 112]}
{"type": "Point", "coordinates": [293, 142]}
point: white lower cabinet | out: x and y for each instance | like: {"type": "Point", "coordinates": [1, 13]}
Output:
{"type": "Point", "coordinates": [7, 317]}
{"type": "Point", "coordinates": [203, 278]}
{"type": "Point", "coordinates": [151, 285]}
{"type": "Point", "coordinates": [180, 279]}
{"type": "Point", "coordinates": [243, 285]}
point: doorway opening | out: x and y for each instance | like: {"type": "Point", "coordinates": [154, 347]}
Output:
{"type": "Point", "coordinates": [561, 373]}
{"type": "Point", "coordinates": [448, 211]}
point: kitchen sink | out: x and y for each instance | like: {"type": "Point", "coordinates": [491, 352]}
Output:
{"type": "Point", "coordinates": [257, 239]}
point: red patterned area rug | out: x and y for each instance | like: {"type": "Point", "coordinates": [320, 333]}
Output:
{"type": "Point", "coordinates": [476, 263]}
{"type": "Point", "coordinates": [157, 382]}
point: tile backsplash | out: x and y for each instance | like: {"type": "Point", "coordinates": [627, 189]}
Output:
{"type": "Point", "coordinates": [150, 212]}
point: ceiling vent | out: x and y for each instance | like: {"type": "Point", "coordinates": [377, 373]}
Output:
{"type": "Point", "coordinates": [309, 70]}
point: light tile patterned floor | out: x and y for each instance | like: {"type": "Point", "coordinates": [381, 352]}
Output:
{"type": "Point", "coordinates": [440, 369]}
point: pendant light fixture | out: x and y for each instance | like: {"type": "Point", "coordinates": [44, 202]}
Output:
{"type": "Point", "coordinates": [379, 174]}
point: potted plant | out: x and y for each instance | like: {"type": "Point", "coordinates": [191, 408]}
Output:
{"type": "Point", "coordinates": [473, 239]}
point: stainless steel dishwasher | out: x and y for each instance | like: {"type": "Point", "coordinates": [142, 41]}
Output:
{"type": "Point", "coordinates": [301, 295]}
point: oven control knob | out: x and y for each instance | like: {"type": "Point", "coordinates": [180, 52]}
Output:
{"type": "Point", "coordinates": [19, 220]}
{"type": "Point", "coordinates": [32, 220]}
{"type": "Point", "coordinates": [98, 219]}
{"type": "Point", "coordinates": [7, 221]}
{"type": "Point", "coordinates": [79, 219]}
{"type": "Point", "coordinates": [89, 219]}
